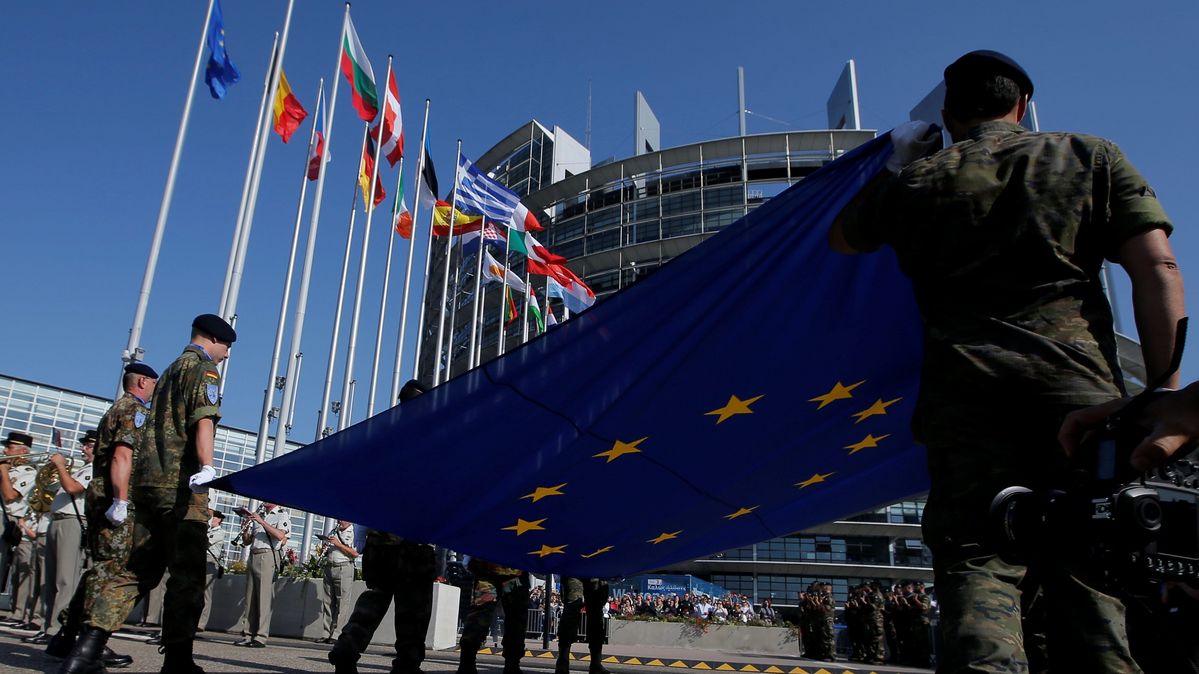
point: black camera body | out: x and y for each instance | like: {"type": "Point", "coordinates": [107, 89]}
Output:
{"type": "Point", "coordinates": [1122, 529]}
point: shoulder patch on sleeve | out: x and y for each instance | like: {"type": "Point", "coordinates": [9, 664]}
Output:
{"type": "Point", "coordinates": [212, 392]}
{"type": "Point", "coordinates": [139, 419]}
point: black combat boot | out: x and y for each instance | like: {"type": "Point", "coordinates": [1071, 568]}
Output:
{"type": "Point", "coordinates": [512, 665]}
{"type": "Point", "coordinates": [562, 666]}
{"type": "Point", "coordinates": [466, 661]}
{"type": "Point", "coordinates": [85, 655]}
{"type": "Point", "coordinates": [113, 659]}
{"type": "Point", "coordinates": [61, 644]}
{"type": "Point", "coordinates": [177, 659]}
{"type": "Point", "coordinates": [344, 659]}
{"type": "Point", "coordinates": [597, 661]}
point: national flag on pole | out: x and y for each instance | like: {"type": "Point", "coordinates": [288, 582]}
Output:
{"type": "Point", "coordinates": [400, 215]}
{"type": "Point", "coordinates": [495, 272]}
{"type": "Point", "coordinates": [393, 123]}
{"type": "Point", "coordinates": [56, 437]}
{"type": "Point", "coordinates": [536, 311]}
{"type": "Point", "coordinates": [463, 223]}
{"type": "Point", "coordinates": [365, 169]}
{"type": "Point", "coordinates": [220, 73]}
{"type": "Point", "coordinates": [482, 194]}
{"type": "Point", "coordinates": [574, 293]}
{"type": "Point", "coordinates": [357, 70]}
{"type": "Point", "coordinates": [288, 112]}
{"type": "Point", "coordinates": [523, 220]}
{"type": "Point", "coordinates": [540, 259]}
{"type": "Point", "coordinates": [550, 319]}
{"type": "Point", "coordinates": [318, 148]}
{"type": "Point", "coordinates": [511, 306]}
{"type": "Point", "coordinates": [426, 194]}
{"type": "Point", "coordinates": [491, 236]}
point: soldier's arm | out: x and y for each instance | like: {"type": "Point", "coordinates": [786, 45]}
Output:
{"type": "Point", "coordinates": [205, 439]}
{"type": "Point", "coordinates": [345, 549]}
{"type": "Point", "coordinates": [120, 470]}
{"type": "Point", "coordinates": [10, 494]}
{"type": "Point", "coordinates": [67, 481]}
{"type": "Point", "coordinates": [1157, 297]}
{"type": "Point", "coordinates": [277, 533]}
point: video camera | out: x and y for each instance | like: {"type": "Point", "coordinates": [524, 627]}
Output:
{"type": "Point", "coordinates": [1124, 529]}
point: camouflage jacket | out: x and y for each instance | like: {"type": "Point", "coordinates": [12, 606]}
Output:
{"type": "Point", "coordinates": [124, 423]}
{"type": "Point", "coordinates": [1003, 235]}
{"type": "Point", "coordinates": [186, 393]}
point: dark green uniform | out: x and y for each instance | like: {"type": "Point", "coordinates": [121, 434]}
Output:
{"type": "Point", "coordinates": [875, 649]}
{"type": "Point", "coordinates": [578, 593]}
{"type": "Point", "coordinates": [396, 570]}
{"type": "Point", "coordinates": [124, 423]}
{"type": "Point", "coordinates": [1003, 235]}
{"type": "Point", "coordinates": [496, 585]}
{"type": "Point", "coordinates": [170, 521]}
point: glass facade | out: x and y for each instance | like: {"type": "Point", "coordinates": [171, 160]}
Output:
{"type": "Point", "coordinates": [40, 409]}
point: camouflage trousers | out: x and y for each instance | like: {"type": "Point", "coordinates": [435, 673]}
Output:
{"type": "Point", "coordinates": [161, 539]}
{"type": "Point", "coordinates": [490, 590]}
{"type": "Point", "coordinates": [577, 594]}
{"type": "Point", "coordinates": [400, 572]}
{"type": "Point", "coordinates": [974, 453]}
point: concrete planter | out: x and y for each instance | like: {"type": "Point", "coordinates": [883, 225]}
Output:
{"type": "Point", "coordinates": [738, 638]}
{"type": "Point", "coordinates": [297, 606]}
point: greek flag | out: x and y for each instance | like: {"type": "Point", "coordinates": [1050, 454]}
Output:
{"type": "Point", "coordinates": [479, 193]}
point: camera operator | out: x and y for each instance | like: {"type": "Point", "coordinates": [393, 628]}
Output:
{"type": "Point", "coordinates": [1003, 235]}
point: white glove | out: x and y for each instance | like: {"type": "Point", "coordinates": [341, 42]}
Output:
{"type": "Point", "coordinates": [912, 141]}
{"type": "Point", "coordinates": [117, 512]}
{"type": "Point", "coordinates": [196, 482]}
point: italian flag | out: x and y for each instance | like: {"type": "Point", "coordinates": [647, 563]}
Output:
{"type": "Point", "coordinates": [401, 215]}
{"type": "Point", "coordinates": [357, 71]}
{"type": "Point", "coordinates": [524, 221]}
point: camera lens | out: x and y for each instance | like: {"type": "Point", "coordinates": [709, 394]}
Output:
{"type": "Point", "coordinates": [1148, 512]}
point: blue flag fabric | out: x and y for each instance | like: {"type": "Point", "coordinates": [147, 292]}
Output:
{"type": "Point", "coordinates": [479, 193]}
{"type": "Point", "coordinates": [757, 385]}
{"type": "Point", "coordinates": [220, 73]}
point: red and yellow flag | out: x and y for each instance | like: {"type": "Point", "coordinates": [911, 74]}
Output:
{"type": "Point", "coordinates": [463, 222]}
{"type": "Point", "coordinates": [288, 112]}
{"type": "Point", "coordinates": [365, 169]}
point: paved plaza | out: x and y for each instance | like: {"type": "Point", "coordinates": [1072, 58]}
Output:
{"type": "Point", "coordinates": [216, 653]}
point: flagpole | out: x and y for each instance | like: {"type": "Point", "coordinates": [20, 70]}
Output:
{"type": "Point", "coordinates": [301, 306]}
{"type": "Point", "coordinates": [397, 373]}
{"type": "Point", "coordinates": [479, 316]}
{"type": "Point", "coordinates": [370, 398]}
{"type": "Point", "coordinates": [449, 365]}
{"type": "Point", "coordinates": [343, 419]}
{"type": "Point", "coordinates": [445, 281]}
{"type": "Point", "coordinates": [244, 243]}
{"type": "Point", "coordinates": [264, 420]}
{"type": "Point", "coordinates": [504, 294]}
{"type": "Point", "coordinates": [245, 187]}
{"type": "Point", "coordinates": [291, 378]}
{"type": "Point", "coordinates": [474, 314]}
{"type": "Point", "coordinates": [132, 349]}
{"type": "Point", "coordinates": [525, 317]}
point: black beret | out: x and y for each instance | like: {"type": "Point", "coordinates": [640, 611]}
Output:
{"type": "Point", "coordinates": [411, 389]}
{"type": "Point", "coordinates": [218, 514]}
{"type": "Point", "coordinates": [19, 439]}
{"type": "Point", "coordinates": [984, 62]}
{"type": "Point", "coordinates": [214, 326]}
{"type": "Point", "coordinates": [141, 369]}
{"type": "Point", "coordinates": [90, 436]}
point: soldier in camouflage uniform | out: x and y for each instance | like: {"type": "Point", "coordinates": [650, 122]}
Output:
{"type": "Point", "coordinates": [169, 506]}
{"type": "Point", "coordinates": [876, 648]}
{"type": "Point", "coordinates": [1003, 235]}
{"type": "Point", "coordinates": [495, 584]}
{"type": "Point", "coordinates": [826, 634]}
{"type": "Point", "coordinates": [578, 593]}
{"type": "Point", "coordinates": [119, 438]}
{"type": "Point", "coordinates": [891, 626]}
{"type": "Point", "coordinates": [394, 569]}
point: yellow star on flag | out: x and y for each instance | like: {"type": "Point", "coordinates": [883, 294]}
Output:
{"type": "Point", "coordinates": [815, 479]}
{"type": "Point", "coordinates": [606, 548]}
{"type": "Point", "coordinates": [879, 407]}
{"type": "Point", "coordinates": [522, 526]}
{"type": "Point", "coordinates": [542, 492]}
{"type": "Point", "coordinates": [866, 443]}
{"type": "Point", "coordinates": [619, 449]}
{"type": "Point", "coordinates": [740, 512]}
{"type": "Point", "coordinates": [734, 407]}
{"type": "Point", "coordinates": [664, 536]}
{"type": "Point", "coordinates": [547, 550]}
{"type": "Point", "coordinates": [839, 392]}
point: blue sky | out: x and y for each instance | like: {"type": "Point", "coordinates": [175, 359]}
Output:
{"type": "Point", "coordinates": [97, 91]}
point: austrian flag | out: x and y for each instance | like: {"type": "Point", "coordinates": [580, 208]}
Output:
{"type": "Point", "coordinates": [393, 124]}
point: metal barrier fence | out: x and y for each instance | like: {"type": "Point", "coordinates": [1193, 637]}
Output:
{"type": "Point", "coordinates": [536, 624]}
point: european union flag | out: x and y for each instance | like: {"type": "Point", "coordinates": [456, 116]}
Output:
{"type": "Point", "coordinates": [220, 73]}
{"type": "Point", "coordinates": [757, 385]}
